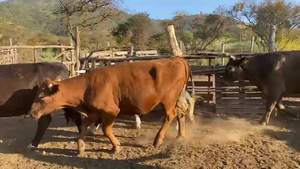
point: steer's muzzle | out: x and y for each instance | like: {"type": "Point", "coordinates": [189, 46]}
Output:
{"type": "Point", "coordinates": [35, 115]}
{"type": "Point", "coordinates": [224, 82]}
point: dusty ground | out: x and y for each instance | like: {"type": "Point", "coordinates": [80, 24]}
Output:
{"type": "Point", "coordinates": [214, 142]}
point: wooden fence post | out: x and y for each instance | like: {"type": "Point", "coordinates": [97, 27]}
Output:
{"type": "Point", "coordinates": [77, 49]}
{"type": "Point", "coordinates": [35, 59]}
{"type": "Point", "coordinates": [252, 44]}
{"type": "Point", "coordinates": [181, 45]}
{"type": "Point", "coordinates": [173, 41]}
{"type": "Point", "coordinates": [131, 51]}
{"type": "Point", "coordinates": [16, 55]}
{"type": "Point", "coordinates": [72, 71]}
{"type": "Point", "coordinates": [11, 51]}
{"type": "Point", "coordinates": [63, 56]}
{"type": "Point", "coordinates": [223, 51]}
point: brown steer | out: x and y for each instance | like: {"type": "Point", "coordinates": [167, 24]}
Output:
{"type": "Point", "coordinates": [125, 88]}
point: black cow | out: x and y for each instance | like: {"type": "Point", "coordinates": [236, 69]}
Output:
{"type": "Point", "coordinates": [18, 87]}
{"type": "Point", "coordinates": [274, 73]}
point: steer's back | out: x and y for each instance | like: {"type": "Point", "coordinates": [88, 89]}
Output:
{"type": "Point", "coordinates": [19, 84]}
{"type": "Point", "coordinates": [282, 66]}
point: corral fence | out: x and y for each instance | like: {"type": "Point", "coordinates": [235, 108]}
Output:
{"type": "Point", "coordinates": [239, 97]}
{"type": "Point", "coordinates": [121, 54]}
{"type": "Point", "coordinates": [9, 55]}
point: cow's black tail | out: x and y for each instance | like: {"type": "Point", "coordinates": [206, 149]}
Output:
{"type": "Point", "coordinates": [193, 84]}
{"type": "Point", "coordinates": [74, 116]}
{"type": "Point", "coordinates": [192, 100]}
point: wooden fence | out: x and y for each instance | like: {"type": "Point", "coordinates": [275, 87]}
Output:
{"type": "Point", "coordinates": [244, 97]}
{"type": "Point", "coordinates": [109, 54]}
{"type": "Point", "coordinates": [67, 55]}
{"type": "Point", "coordinates": [8, 56]}
{"type": "Point", "coordinates": [239, 97]}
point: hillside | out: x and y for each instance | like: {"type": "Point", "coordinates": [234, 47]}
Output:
{"type": "Point", "coordinates": [26, 21]}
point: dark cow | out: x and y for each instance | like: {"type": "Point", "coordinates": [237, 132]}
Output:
{"type": "Point", "coordinates": [125, 88]}
{"type": "Point", "coordinates": [19, 84]}
{"type": "Point", "coordinates": [273, 73]}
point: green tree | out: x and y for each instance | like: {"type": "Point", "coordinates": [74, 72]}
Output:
{"type": "Point", "coordinates": [266, 18]}
{"type": "Point", "coordinates": [136, 31]}
{"type": "Point", "coordinates": [201, 31]}
{"type": "Point", "coordinates": [85, 13]}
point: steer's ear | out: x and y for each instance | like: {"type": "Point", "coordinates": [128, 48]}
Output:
{"type": "Point", "coordinates": [241, 60]}
{"type": "Point", "coordinates": [58, 78]}
{"type": "Point", "coordinates": [52, 85]}
{"type": "Point", "coordinates": [231, 57]}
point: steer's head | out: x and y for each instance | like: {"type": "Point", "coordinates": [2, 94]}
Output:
{"type": "Point", "coordinates": [234, 69]}
{"type": "Point", "coordinates": [47, 99]}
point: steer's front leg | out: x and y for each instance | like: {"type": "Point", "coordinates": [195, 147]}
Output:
{"type": "Point", "coordinates": [107, 124]}
{"type": "Point", "coordinates": [81, 145]}
{"type": "Point", "coordinates": [43, 124]}
{"type": "Point", "coordinates": [138, 122]}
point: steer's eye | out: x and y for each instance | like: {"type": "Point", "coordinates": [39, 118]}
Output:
{"type": "Point", "coordinates": [230, 68]}
{"type": "Point", "coordinates": [41, 97]}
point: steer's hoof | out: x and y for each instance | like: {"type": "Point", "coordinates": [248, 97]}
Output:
{"type": "Point", "coordinates": [157, 143]}
{"type": "Point", "coordinates": [138, 127]}
{"type": "Point", "coordinates": [81, 147]}
{"type": "Point", "coordinates": [115, 152]}
{"type": "Point", "coordinates": [31, 147]}
{"type": "Point", "coordinates": [80, 153]}
{"type": "Point", "coordinates": [264, 123]}
{"type": "Point", "coordinates": [90, 133]}
{"type": "Point", "coordinates": [180, 138]}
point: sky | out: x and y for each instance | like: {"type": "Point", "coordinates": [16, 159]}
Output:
{"type": "Point", "coordinates": [165, 9]}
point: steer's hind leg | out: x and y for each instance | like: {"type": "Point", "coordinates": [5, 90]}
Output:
{"type": "Point", "coordinates": [270, 106]}
{"type": "Point", "coordinates": [43, 124]}
{"type": "Point", "coordinates": [107, 124]}
{"type": "Point", "coordinates": [181, 125]}
{"type": "Point", "coordinates": [85, 124]}
{"type": "Point", "coordinates": [170, 115]}
{"type": "Point", "coordinates": [279, 106]}
{"type": "Point", "coordinates": [273, 91]}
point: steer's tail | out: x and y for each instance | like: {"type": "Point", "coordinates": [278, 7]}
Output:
{"type": "Point", "coordinates": [191, 99]}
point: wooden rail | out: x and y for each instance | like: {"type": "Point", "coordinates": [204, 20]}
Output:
{"type": "Point", "coordinates": [69, 61]}
{"type": "Point", "coordinates": [37, 47]}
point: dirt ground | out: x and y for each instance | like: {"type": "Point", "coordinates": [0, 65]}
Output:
{"type": "Point", "coordinates": [213, 142]}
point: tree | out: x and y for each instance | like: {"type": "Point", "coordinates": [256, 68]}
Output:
{"type": "Point", "coordinates": [160, 42]}
{"type": "Point", "coordinates": [201, 31]}
{"type": "Point", "coordinates": [267, 18]}
{"type": "Point", "coordinates": [206, 30]}
{"type": "Point", "coordinates": [85, 13]}
{"type": "Point", "coordinates": [137, 31]}
{"type": "Point", "coordinates": [182, 24]}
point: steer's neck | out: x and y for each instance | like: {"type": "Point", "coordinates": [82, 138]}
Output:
{"type": "Point", "coordinates": [72, 91]}
{"type": "Point", "coordinates": [245, 74]}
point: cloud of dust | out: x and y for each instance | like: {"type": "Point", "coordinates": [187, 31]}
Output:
{"type": "Point", "coordinates": [206, 131]}
{"type": "Point", "coordinates": [220, 130]}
